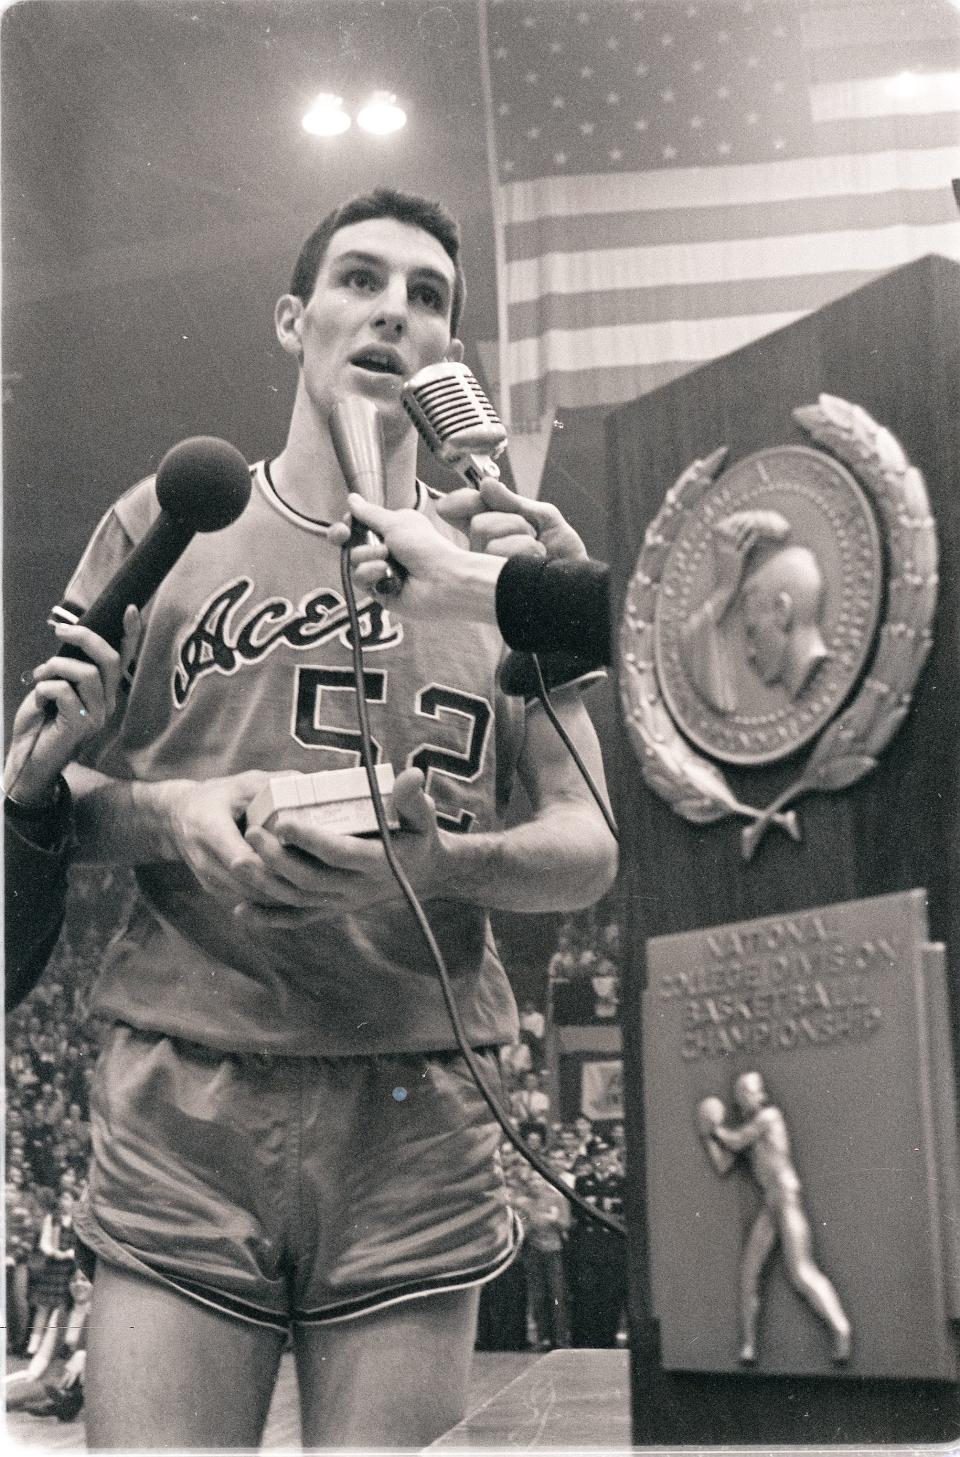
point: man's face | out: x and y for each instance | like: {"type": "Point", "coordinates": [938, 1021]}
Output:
{"type": "Point", "coordinates": [767, 636]}
{"type": "Point", "coordinates": [379, 311]}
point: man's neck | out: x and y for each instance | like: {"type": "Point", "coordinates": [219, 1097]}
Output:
{"type": "Point", "coordinates": [307, 475]}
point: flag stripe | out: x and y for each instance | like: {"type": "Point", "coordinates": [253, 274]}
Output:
{"type": "Point", "coordinates": [676, 301]}
{"type": "Point", "coordinates": [742, 258]}
{"type": "Point", "coordinates": [910, 54]}
{"type": "Point", "coordinates": [849, 30]}
{"type": "Point", "coordinates": [586, 388]}
{"type": "Point", "coordinates": [562, 350]}
{"type": "Point", "coordinates": [916, 96]}
{"type": "Point", "coordinates": [697, 187]}
{"type": "Point", "coordinates": [642, 229]}
{"type": "Point", "coordinates": [887, 133]}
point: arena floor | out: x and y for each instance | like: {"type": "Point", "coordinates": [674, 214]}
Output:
{"type": "Point", "coordinates": [491, 1372]}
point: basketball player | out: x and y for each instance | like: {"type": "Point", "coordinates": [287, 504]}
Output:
{"type": "Point", "coordinates": [285, 1138]}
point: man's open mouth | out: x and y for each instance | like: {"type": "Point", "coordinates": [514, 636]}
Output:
{"type": "Point", "coordinates": [379, 361]}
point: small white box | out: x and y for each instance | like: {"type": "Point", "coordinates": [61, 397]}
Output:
{"type": "Point", "coordinates": [332, 799]}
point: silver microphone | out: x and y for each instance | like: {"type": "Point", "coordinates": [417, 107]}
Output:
{"type": "Point", "coordinates": [357, 435]}
{"type": "Point", "coordinates": [456, 420]}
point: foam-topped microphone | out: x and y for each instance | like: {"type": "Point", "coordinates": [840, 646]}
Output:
{"type": "Point", "coordinates": [357, 435]}
{"type": "Point", "coordinates": [202, 484]}
{"type": "Point", "coordinates": [456, 420]}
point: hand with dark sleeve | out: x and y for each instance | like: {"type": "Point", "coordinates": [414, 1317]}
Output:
{"type": "Point", "coordinates": [71, 700]}
{"type": "Point", "coordinates": [527, 570]}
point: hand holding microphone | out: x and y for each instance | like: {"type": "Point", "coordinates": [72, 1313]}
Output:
{"type": "Point", "coordinates": [74, 694]}
{"type": "Point", "coordinates": [502, 522]}
{"type": "Point", "coordinates": [438, 579]}
{"type": "Point", "coordinates": [459, 426]}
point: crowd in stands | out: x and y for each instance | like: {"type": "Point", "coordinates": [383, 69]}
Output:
{"type": "Point", "coordinates": [51, 1046]}
{"type": "Point", "coordinates": [567, 1288]}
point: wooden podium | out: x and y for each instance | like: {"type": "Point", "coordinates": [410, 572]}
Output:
{"type": "Point", "coordinates": [893, 349]}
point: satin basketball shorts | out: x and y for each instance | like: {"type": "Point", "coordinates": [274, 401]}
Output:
{"type": "Point", "coordinates": [294, 1190]}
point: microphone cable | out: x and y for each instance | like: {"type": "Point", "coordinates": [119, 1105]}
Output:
{"type": "Point", "coordinates": [600, 1216]}
{"type": "Point", "coordinates": [547, 705]}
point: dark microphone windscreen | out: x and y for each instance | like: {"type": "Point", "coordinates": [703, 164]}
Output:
{"type": "Point", "coordinates": [203, 482]}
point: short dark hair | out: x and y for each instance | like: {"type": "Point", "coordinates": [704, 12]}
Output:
{"type": "Point", "coordinates": [383, 202]}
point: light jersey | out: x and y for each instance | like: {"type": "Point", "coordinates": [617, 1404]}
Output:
{"type": "Point", "coordinates": [245, 663]}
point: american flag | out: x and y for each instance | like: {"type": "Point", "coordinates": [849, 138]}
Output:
{"type": "Point", "coordinates": [675, 180]}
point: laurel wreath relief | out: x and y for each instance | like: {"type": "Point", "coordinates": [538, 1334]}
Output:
{"type": "Point", "coordinates": [848, 748]}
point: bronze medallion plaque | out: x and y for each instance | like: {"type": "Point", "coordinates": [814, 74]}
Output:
{"type": "Point", "coordinates": [786, 601]}
{"type": "Point", "coordinates": [768, 605]}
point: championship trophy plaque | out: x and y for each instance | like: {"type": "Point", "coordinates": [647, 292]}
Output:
{"type": "Point", "coordinates": [799, 1193]}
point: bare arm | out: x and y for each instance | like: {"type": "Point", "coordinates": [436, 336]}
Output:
{"type": "Point", "coordinates": [127, 822]}
{"type": "Point", "coordinates": [563, 857]}
{"type": "Point", "coordinates": [745, 1136]}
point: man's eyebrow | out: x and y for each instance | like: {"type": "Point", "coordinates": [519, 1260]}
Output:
{"type": "Point", "coordinates": [356, 256]}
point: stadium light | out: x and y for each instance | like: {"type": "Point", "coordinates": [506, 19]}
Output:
{"type": "Point", "coordinates": [326, 117]}
{"type": "Point", "coordinates": [381, 114]}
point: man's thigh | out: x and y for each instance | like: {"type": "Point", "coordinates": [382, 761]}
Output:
{"type": "Point", "coordinates": [398, 1377]}
{"type": "Point", "coordinates": [166, 1372]}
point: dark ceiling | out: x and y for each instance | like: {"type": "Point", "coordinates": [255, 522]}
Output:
{"type": "Point", "coordinates": [145, 135]}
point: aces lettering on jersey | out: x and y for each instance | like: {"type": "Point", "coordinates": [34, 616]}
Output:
{"type": "Point", "coordinates": [225, 639]}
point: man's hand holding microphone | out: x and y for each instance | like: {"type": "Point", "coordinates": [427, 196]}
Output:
{"type": "Point", "coordinates": [443, 579]}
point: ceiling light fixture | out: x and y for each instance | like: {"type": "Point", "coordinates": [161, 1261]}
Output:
{"type": "Point", "coordinates": [381, 114]}
{"type": "Point", "coordinates": [326, 117]}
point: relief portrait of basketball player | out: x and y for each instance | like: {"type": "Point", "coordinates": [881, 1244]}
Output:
{"type": "Point", "coordinates": [780, 593]}
{"type": "Point", "coordinates": [763, 1139]}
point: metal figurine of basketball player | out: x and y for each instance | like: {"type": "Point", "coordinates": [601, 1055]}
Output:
{"type": "Point", "coordinates": [762, 1136]}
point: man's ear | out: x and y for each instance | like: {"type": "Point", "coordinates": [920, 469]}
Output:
{"type": "Point", "coordinates": [455, 351]}
{"type": "Point", "coordinates": [288, 322]}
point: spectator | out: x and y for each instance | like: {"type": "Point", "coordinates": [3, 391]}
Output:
{"type": "Point", "coordinates": [50, 1289]}
{"type": "Point", "coordinates": [533, 1026]}
{"type": "Point", "coordinates": [562, 964]}
{"type": "Point", "coordinates": [52, 1385]}
{"type": "Point", "coordinates": [534, 1136]}
{"type": "Point", "coordinates": [606, 993]}
{"type": "Point", "coordinates": [583, 1129]}
{"type": "Point", "coordinates": [22, 1221]}
{"type": "Point", "coordinates": [596, 1256]}
{"type": "Point", "coordinates": [516, 1059]}
{"type": "Point", "coordinates": [530, 1103]}
{"type": "Point", "coordinates": [546, 1217]}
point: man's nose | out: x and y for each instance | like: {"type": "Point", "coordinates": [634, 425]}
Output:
{"type": "Point", "coordinates": [390, 315]}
